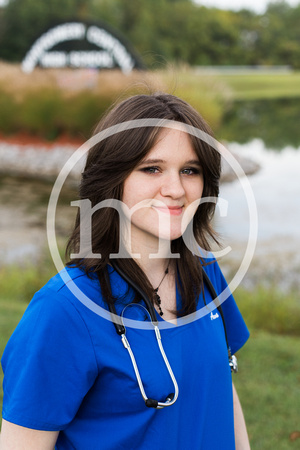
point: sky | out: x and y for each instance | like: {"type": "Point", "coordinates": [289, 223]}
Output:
{"type": "Point", "coordinates": [258, 6]}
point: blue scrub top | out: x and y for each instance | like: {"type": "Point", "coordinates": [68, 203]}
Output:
{"type": "Point", "coordinates": [66, 369]}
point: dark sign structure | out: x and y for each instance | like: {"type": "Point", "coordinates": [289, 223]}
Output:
{"type": "Point", "coordinates": [80, 45]}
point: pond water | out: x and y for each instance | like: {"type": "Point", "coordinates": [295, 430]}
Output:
{"type": "Point", "coordinates": [275, 122]}
{"type": "Point", "coordinates": [268, 133]}
{"type": "Point", "coordinates": [276, 189]}
{"type": "Point", "coordinates": [23, 206]}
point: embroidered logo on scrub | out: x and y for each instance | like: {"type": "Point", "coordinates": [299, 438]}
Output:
{"type": "Point", "coordinates": [214, 316]}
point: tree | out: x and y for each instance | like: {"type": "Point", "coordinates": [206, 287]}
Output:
{"type": "Point", "coordinates": [25, 20]}
{"type": "Point", "coordinates": [165, 30]}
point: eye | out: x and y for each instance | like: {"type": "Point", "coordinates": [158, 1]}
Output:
{"type": "Point", "coordinates": [191, 171]}
{"type": "Point", "coordinates": [150, 169]}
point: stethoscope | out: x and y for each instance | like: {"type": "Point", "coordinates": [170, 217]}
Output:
{"type": "Point", "coordinates": [121, 331]}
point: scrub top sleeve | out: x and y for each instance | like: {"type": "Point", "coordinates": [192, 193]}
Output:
{"type": "Point", "coordinates": [237, 331]}
{"type": "Point", "coordinates": [49, 364]}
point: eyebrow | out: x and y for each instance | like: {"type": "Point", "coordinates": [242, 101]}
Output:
{"type": "Point", "coordinates": [156, 161]}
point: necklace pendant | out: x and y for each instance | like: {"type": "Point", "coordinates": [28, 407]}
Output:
{"type": "Point", "coordinates": [157, 299]}
{"type": "Point", "coordinates": [158, 302]}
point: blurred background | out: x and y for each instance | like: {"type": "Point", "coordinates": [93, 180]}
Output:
{"type": "Point", "coordinates": [238, 63]}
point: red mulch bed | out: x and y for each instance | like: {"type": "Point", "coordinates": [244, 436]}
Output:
{"type": "Point", "coordinates": [27, 139]}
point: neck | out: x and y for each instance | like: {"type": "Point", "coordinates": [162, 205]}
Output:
{"type": "Point", "coordinates": [153, 267]}
{"type": "Point", "coordinates": [142, 251]}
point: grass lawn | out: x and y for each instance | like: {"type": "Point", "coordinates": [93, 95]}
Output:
{"type": "Point", "coordinates": [268, 382]}
{"type": "Point", "coordinates": [222, 88]}
{"type": "Point", "coordinates": [262, 86]}
{"type": "Point", "coordinates": [10, 314]}
{"type": "Point", "coordinates": [213, 95]}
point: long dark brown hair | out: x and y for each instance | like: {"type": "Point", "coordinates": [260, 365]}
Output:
{"type": "Point", "coordinates": [108, 165]}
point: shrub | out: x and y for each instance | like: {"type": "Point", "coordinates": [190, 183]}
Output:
{"type": "Point", "coordinates": [270, 310]}
{"type": "Point", "coordinates": [40, 113]}
{"type": "Point", "coordinates": [41, 104]}
{"type": "Point", "coordinates": [8, 113]}
{"type": "Point", "coordinates": [82, 112]}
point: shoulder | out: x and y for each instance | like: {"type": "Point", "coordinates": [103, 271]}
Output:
{"type": "Point", "coordinates": [56, 315]}
{"type": "Point", "coordinates": [61, 283]}
{"type": "Point", "coordinates": [56, 305]}
{"type": "Point", "coordinates": [74, 282]}
{"type": "Point", "coordinates": [67, 289]}
{"type": "Point", "coordinates": [52, 342]}
{"type": "Point", "coordinates": [71, 296]}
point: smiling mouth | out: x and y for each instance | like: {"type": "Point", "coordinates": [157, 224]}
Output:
{"type": "Point", "coordinates": [172, 210]}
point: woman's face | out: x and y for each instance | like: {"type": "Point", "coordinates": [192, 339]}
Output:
{"type": "Point", "coordinates": [165, 189]}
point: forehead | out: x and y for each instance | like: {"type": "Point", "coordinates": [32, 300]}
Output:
{"type": "Point", "coordinates": [173, 142]}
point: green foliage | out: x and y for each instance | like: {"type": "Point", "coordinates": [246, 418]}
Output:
{"type": "Point", "coordinates": [270, 310]}
{"type": "Point", "coordinates": [166, 30]}
{"type": "Point", "coordinates": [206, 94]}
{"type": "Point", "coordinates": [23, 21]}
{"type": "Point", "coordinates": [183, 31]}
{"type": "Point", "coordinates": [258, 86]}
{"type": "Point", "coordinates": [275, 121]}
{"type": "Point", "coordinates": [269, 389]}
{"type": "Point", "coordinates": [81, 113]}
{"type": "Point", "coordinates": [235, 106]}
{"type": "Point", "coordinates": [48, 113]}
{"type": "Point", "coordinates": [41, 113]}
{"type": "Point", "coordinates": [19, 283]}
{"type": "Point", "coordinates": [8, 111]}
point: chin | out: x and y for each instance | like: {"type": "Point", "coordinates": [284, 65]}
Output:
{"type": "Point", "coordinates": [170, 235]}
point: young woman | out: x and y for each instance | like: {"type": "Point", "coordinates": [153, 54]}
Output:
{"type": "Point", "coordinates": [68, 380]}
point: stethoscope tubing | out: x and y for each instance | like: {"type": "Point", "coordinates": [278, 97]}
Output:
{"type": "Point", "coordinates": [121, 330]}
{"type": "Point", "coordinates": [148, 401]}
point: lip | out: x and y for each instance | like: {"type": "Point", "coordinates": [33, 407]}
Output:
{"type": "Point", "coordinates": [172, 210]}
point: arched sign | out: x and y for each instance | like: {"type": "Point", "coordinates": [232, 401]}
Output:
{"type": "Point", "coordinates": [79, 45]}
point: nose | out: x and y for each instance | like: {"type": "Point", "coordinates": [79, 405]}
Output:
{"type": "Point", "coordinates": [172, 186]}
